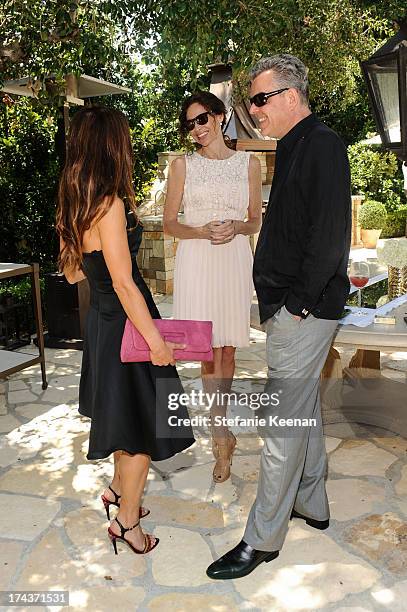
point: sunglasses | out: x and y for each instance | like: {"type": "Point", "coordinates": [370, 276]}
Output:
{"type": "Point", "coordinates": [261, 98]}
{"type": "Point", "coordinates": [201, 119]}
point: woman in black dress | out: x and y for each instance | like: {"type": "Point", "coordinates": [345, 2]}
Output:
{"type": "Point", "coordinates": [99, 239]}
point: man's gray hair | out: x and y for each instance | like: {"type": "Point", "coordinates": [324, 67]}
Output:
{"type": "Point", "coordinates": [288, 70]}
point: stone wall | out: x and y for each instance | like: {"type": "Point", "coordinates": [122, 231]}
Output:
{"type": "Point", "coordinates": [156, 255]}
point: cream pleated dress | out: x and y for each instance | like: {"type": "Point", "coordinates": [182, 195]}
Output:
{"type": "Point", "coordinates": [214, 282]}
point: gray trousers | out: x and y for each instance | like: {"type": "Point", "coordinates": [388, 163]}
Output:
{"type": "Point", "coordinates": [293, 462]}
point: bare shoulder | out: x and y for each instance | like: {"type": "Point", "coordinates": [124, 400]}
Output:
{"type": "Point", "coordinates": [254, 160]}
{"type": "Point", "coordinates": [113, 214]}
{"type": "Point", "coordinates": [178, 166]}
{"type": "Point", "coordinates": [254, 163]}
{"type": "Point", "coordinates": [115, 207]}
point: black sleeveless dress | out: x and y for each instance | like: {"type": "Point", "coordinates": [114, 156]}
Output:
{"type": "Point", "coordinates": [127, 402]}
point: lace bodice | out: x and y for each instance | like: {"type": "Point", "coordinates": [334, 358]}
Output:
{"type": "Point", "coordinates": [216, 189]}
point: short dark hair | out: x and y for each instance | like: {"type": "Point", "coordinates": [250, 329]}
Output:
{"type": "Point", "coordinates": [209, 101]}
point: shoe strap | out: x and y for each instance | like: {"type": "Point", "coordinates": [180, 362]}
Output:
{"type": "Point", "coordinates": [125, 529]}
{"type": "Point", "coordinates": [116, 497]}
{"type": "Point", "coordinates": [148, 544]}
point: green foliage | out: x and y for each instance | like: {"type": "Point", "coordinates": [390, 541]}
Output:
{"type": "Point", "coordinates": [376, 173]}
{"type": "Point", "coordinates": [370, 295]}
{"type": "Point", "coordinates": [396, 223]}
{"type": "Point", "coordinates": [179, 39]}
{"type": "Point", "coordinates": [330, 36]}
{"type": "Point", "coordinates": [372, 215]}
{"type": "Point", "coordinates": [352, 121]}
{"type": "Point", "coordinates": [27, 185]}
{"type": "Point", "coordinates": [62, 36]}
{"type": "Point", "coordinates": [21, 290]}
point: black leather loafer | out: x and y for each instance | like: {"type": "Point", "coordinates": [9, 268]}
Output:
{"type": "Point", "coordinates": [239, 562]}
{"type": "Point", "coordinates": [310, 521]}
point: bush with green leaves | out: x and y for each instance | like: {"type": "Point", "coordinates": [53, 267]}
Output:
{"type": "Point", "coordinates": [396, 223]}
{"type": "Point", "coordinates": [372, 215]}
{"type": "Point", "coordinates": [376, 174]}
{"type": "Point", "coordinates": [370, 295]}
{"type": "Point", "coordinates": [28, 180]}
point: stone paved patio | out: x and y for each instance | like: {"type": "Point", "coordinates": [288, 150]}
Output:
{"type": "Point", "coordinates": [53, 527]}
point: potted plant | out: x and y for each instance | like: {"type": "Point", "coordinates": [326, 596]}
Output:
{"type": "Point", "coordinates": [372, 219]}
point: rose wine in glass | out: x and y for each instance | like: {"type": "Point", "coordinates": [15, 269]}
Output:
{"type": "Point", "coordinates": [359, 276]}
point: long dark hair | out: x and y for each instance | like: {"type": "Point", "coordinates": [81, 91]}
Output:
{"type": "Point", "coordinates": [98, 167]}
{"type": "Point", "coordinates": [212, 104]}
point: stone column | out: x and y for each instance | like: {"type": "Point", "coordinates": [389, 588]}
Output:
{"type": "Point", "coordinates": [356, 231]}
{"type": "Point", "coordinates": [156, 256]}
{"type": "Point", "coordinates": [154, 204]}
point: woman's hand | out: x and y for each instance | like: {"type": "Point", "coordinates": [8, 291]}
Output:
{"type": "Point", "coordinates": [163, 355]}
{"type": "Point", "coordinates": [222, 233]}
{"type": "Point", "coordinates": [207, 230]}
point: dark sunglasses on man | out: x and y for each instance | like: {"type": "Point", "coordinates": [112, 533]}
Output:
{"type": "Point", "coordinates": [201, 119]}
{"type": "Point", "coordinates": [260, 99]}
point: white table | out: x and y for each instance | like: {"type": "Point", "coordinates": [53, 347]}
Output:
{"type": "Point", "coordinates": [383, 402]}
{"type": "Point", "coordinates": [360, 393]}
{"type": "Point", "coordinates": [13, 361]}
{"type": "Point", "coordinates": [377, 336]}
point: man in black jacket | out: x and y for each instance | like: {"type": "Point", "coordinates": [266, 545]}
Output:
{"type": "Point", "coordinates": [300, 275]}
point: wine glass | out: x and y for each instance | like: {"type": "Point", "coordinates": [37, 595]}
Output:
{"type": "Point", "coordinates": [359, 276]}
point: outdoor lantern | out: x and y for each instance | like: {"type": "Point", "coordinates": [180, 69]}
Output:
{"type": "Point", "coordinates": [385, 73]}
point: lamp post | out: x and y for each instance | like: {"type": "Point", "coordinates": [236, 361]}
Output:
{"type": "Point", "coordinates": [385, 73]}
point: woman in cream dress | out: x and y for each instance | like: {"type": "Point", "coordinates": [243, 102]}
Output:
{"type": "Point", "coordinates": [220, 191]}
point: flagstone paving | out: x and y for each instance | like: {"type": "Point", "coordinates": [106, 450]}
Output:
{"type": "Point", "coordinates": [53, 526]}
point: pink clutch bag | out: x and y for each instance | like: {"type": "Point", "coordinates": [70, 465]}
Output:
{"type": "Point", "coordinates": [196, 335]}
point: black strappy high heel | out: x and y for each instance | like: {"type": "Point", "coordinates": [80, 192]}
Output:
{"type": "Point", "coordinates": [107, 503]}
{"type": "Point", "coordinates": [148, 543]}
